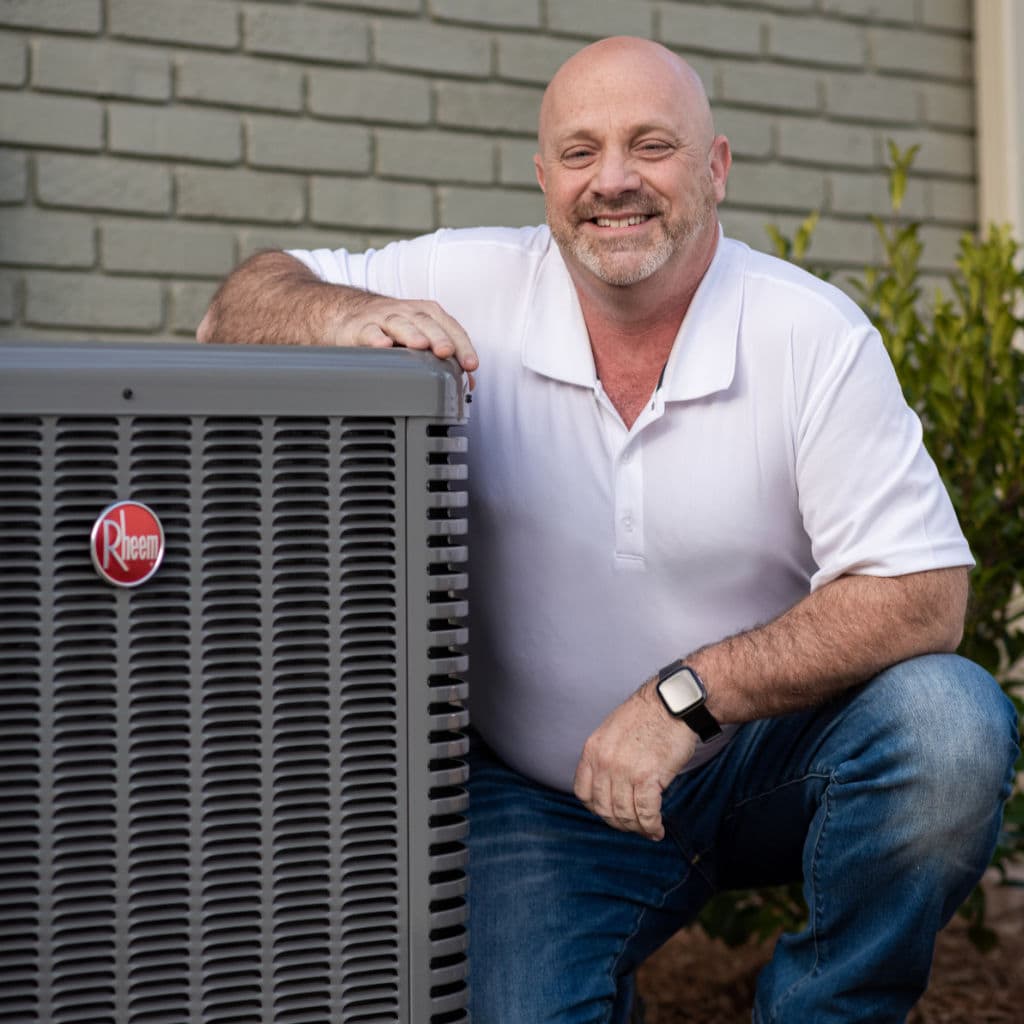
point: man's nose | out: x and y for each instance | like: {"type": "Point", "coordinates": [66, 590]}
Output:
{"type": "Point", "coordinates": [615, 173]}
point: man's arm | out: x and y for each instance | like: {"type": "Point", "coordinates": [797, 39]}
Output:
{"type": "Point", "coordinates": [841, 635]}
{"type": "Point", "coordinates": [273, 298]}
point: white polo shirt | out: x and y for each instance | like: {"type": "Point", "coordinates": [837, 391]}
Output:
{"type": "Point", "coordinates": [777, 454]}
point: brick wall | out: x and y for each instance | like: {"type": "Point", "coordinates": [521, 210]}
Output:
{"type": "Point", "coordinates": [148, 145]}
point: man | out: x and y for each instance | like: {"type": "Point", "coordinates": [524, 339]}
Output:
{"type": "Point", "coordinates": [688, 456]}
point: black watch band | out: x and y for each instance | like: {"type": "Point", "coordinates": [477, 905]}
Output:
{"type": "Point", "coordinates": [683, 693]}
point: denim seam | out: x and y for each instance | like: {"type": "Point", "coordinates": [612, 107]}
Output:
{"type": "Point", "coordinates": [640, 917]}
{"type": "Point", "coordinates": [782, 785]}
{"type": "Point", "coordinates": [814, 919]}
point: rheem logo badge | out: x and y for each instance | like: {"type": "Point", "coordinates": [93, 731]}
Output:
{"type": "Point", "coordinates": [127, 543]}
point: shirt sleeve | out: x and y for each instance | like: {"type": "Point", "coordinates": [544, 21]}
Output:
{"type": "Point", "coordinates": [402, 270]}
{"type": "Point", "coordinates": [870, 496]}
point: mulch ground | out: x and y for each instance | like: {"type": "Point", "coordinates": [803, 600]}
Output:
{"type": "Point", "coordinates": [697, 980]}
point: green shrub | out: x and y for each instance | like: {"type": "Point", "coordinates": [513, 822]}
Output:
{"type": "Point", "coordinates": [960, 359]}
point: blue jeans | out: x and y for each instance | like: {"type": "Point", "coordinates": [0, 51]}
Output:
{"type": "Point", "coordinates": [886, 803]}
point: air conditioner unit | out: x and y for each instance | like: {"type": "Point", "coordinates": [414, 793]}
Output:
{"type": "Point", "coordinates": [232, 788]}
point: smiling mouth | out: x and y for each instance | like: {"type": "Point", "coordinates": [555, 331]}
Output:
{"type": "Point", "coordinates": [620, 222]}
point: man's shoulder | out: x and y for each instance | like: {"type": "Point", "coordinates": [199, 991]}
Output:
{"type": "Point", "coordinates": [533, 240]}
{"type": "Point", "coordinates": [791, 290]}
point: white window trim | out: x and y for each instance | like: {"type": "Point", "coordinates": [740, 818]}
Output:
{"type": "Point", "coordinates": [999, 79]}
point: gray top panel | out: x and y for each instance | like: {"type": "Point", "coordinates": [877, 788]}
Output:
{"type": "Point", "coordinates": [163, 378]}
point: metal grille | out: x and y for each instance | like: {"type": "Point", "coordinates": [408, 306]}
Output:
{"type": "Point", "coordinates": [236, 793]}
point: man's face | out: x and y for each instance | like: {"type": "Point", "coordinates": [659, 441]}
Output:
{"type": "Point", "coordinates": [629, 174]}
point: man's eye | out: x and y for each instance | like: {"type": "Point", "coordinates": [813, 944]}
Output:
{"type": "Point", "coordinates": [654, 148]}
{"type": "Point", "coordinates": [576, 156]}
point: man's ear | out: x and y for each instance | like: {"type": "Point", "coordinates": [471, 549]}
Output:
{"type": "Point", "coordinates": [538, 167]}
{"type": "Point", "coordinates": [720, 159]}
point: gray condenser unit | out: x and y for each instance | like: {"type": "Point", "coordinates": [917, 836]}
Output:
{"type": "Point", "coordinates": [232, 625]}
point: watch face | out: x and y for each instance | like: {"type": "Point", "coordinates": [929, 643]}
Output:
{"type": "Point", "coordinates": [682, 690]}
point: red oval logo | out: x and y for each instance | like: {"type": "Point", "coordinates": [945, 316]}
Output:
{"type": "Point", "coordinates": [127, 543]}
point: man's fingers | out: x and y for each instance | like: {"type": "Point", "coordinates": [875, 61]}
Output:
{"type": "Point", "coordinates": [647, 803]}
{"type": "Point", "coordinates": [423, 325]}
{"type": "Point", "coordinates": [371, 336]}
{"type": "Point", "coordinates": [583, 783]}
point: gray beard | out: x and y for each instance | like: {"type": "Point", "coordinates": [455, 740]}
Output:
{"type": "Point", "coordinates": [652, 259]}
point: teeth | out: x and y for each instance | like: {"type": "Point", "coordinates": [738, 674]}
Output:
{"type": "Point", "coordinates": [622, 222]}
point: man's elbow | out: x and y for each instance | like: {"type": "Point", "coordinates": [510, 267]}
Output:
{"type": "Point", "coordinates": [949, 610]}
{"type": "Point", "coordinates": [204, 332]}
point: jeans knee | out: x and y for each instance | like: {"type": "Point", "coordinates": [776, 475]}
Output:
{"type": "Point", "coordinates": [953, 736]}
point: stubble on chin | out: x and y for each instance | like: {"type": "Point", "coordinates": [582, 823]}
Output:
{"type": "Point", "coordinates": [624, 261]}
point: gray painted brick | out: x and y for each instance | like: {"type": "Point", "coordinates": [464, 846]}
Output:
{"type": "Point", "coordinates": [376, 96]}
{"type": "Point", "coordinates": [532, 59]}
{"type": "Point", "coordinates": [35, 238]}
{"type": "Point", "coordinates": [515, 162]}
{"type": "Point", "coordinates": [467, 207]}
{"type": "Point", "coordinates": [440, 48]}
{"type": "Point", "coordinates": [776, 186]}
{"type": "Point", "coordinates": [844, 242]}
{"type": "Point", "coordinates": [835, 242]}
{"type": "Point", "coordinates": [408, 6]}
{"type": "Point", "coordinates": [13, 176]}
{"type": "Point", "coordinates": [853, 194]}
{"type": "Point", "coordinates": [712, 28]}
{"type": "Point", "coordinates": [189, 303]}
{"type": "Point", "coordinates": [101, 68]}
{"type": "Point", "coordinates": [784, 5]}
{"type": "Point", "coordinates": [13, 59]}
{"type": "Point", "coordinates": [766, 85]}
{"type": "Point", "coordinates": [195, 22]}
{"type": "Point", "coordinates": [819, 142]}
{"type": "Point", "coordinates": [941, 152]}
{"type": "Point", "coordinates": [925, 53]}
{"type": "Point", "coordinates": [954, 202]}
{"type": "Point", "coordinates": [751, 226]}
{"type": "Point", "coordinates": [239, 81]}
{"type": "Point", "coordinates": [8, 299]}
{"type": "Point", "coordinates": [434, 156]}
{"type": "Point", "coordinates": [53, 15]}
{"type": "Point", "coordinates": [897, 11]}
{"type": "Point", "coordinates": [950, 105]}
{"type": "Point", "coordinates": [252, 240]}
{"type": "Point", "coordinates": [585, 18]}
{"type": "Point", "coordinates": [257, 196]}
{"type": "Point", "coordinates": [940, 246]}
{"type": "Point", "coordinates": [306, 33]}
{"type": "Point", "coordinates": [85, 300]}
{"type": "Point", "coordinates": [289, 143]}
{"type": "Point", "coordinates": [358, 203]}
{"type": "Point", "coordinates": [204, 135]}
{"type": "Point", "coordinates": [161, 247]}
{"type": "Point", "coordinates": [521, 14]}
{"type": "Point", "coordinates": [817, 41]}
{"type": "Point", "coordinates": [860, 97]}
{"type": "Point", "coordinates": [103, 183]}
{"type": "Point", "coordinates": [749, 134]}
{"type": "Point", "coordinates": [955, 15]}
{"type": "Point", "coordinates": [61, 121]}
{"type": "Point", "coordinates": [508, 108]}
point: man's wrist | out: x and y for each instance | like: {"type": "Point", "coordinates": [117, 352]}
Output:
{"type": "Point", "coordinates": [683, 695]}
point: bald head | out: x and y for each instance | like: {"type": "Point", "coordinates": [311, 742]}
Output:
{"type": "Point", "coordinates": [624, 69]}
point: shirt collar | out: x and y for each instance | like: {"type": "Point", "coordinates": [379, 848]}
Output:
{"type": "Point", "coordinates": [703, 357]}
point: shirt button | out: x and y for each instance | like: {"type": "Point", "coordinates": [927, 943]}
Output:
{"type": "Point", "coordinates": [627, 523]}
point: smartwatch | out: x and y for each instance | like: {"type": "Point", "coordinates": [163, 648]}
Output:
{"type": "Point", "coordinates": [683, 693]}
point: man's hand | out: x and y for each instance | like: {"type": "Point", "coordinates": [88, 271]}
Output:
{"type": "Point", "coordinates": [275, 299]}
{"type": "Point", "coordinates": [629, 760]}
{"type": "Point", "coordinates": [377, 321]}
